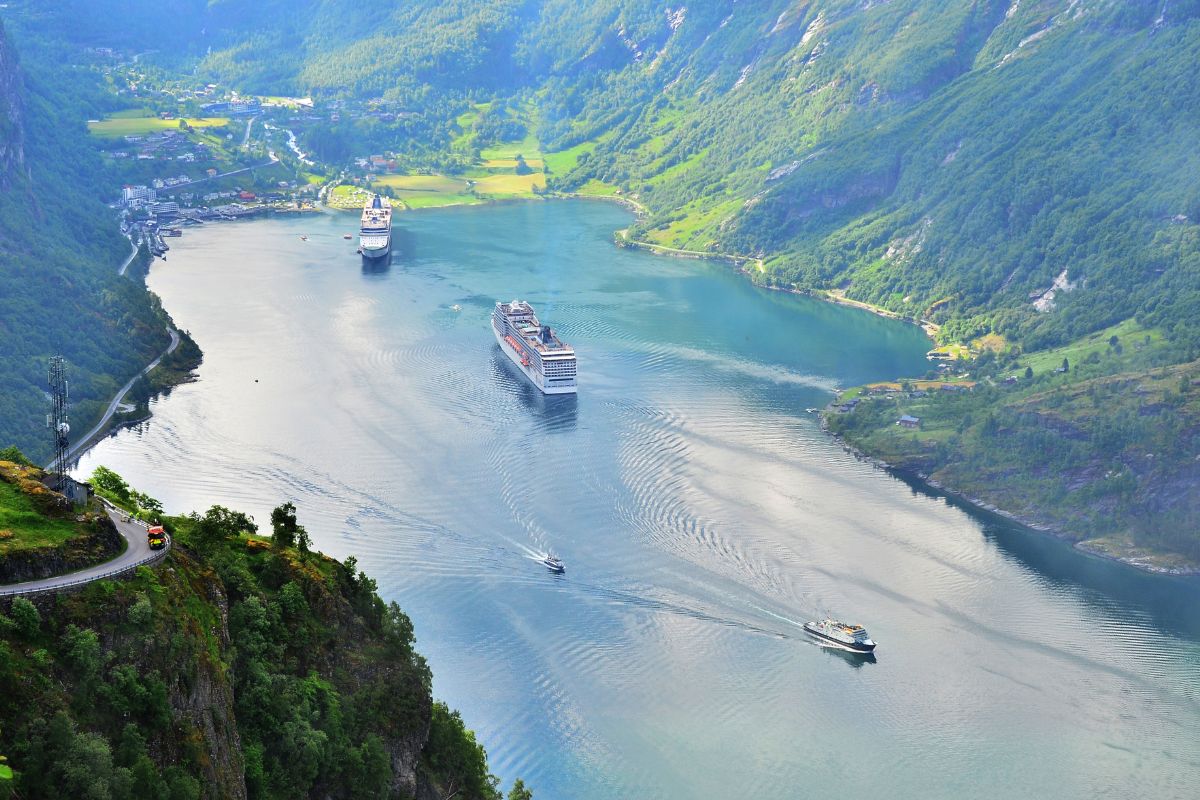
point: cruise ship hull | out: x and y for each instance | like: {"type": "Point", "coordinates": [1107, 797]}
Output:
{"type": "Point", "coordinates": [851, 647]}
{"type": "Point", "coordinates": [375, 252]}
{"type": "Point", "coordinates": [528, 371]}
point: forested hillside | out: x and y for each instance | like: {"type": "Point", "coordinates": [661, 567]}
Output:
{"type": "Point", "coordinates": [241, 667]}
{"type": "Point", "coordinates": [945, 160]}
{"type": "Point", "coordinates": [1020, 172]}
{"type": "Point", "coordinates": [59, 253]}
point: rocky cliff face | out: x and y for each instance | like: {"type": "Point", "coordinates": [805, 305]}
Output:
{"type": "Point", "coordinates": [243, 672]}
{"type": "Point", "coordinates": [12, 114]}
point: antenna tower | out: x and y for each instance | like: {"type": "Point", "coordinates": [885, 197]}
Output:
{"type": "Point", "coordinates": [57, 420]}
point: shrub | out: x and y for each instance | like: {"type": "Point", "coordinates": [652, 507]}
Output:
{"type": "Point", "coordinates": [26, 617]}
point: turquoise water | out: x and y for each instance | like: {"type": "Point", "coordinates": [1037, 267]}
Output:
{"type": "Point", "coordinates": [701, 513]}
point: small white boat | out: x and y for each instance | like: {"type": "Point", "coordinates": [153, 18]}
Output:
{"type": "Point", "coordinates": [554, 563]}
{"type": "Point", "coordinates": [845, 635]}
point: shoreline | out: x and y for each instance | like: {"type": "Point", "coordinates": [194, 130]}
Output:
{"type": "Point", "coordinates": [931, 329]}
{"type": "Point", "coordinates": [933, 487]}
{"type": "Point", "coordinates": [740, 264]}
{"type": "Point", "coordinates": [105, 426]}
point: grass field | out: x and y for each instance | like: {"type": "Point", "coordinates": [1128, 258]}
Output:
{"type": "Point", "coordinates": [527, 147]}
{"type": "Point", "coordinates": [440, 200]}
{"type": "Point", "coordinates": [428, 191]}
{"type": "Point", "coordinates": [564, 161]}
{"type": "Point", "coordinates": [116, 125]}
{"type": "Point", "coordinates": [597, 188]}
{"type": "Point", "coordinates": [510, 185]}
{"type": "Point", "coordinates": [422, 183]}
{"type": "Point", "coordinates": [511, 163]}
{"type": "Point", "coordinates": [1134, 342]}
{"type": "Point", "coordinates": [694, 231]}
{"type": "Point", "coordinates": [23, 527]}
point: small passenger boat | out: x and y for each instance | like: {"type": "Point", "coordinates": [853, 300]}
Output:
{"type": "Point", "coordinates": [842, 634]}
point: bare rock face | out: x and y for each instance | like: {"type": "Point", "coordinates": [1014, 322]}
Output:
{"type": "Point", "coordinates": [12, 114]}
{"type": "Point", "coordinates": [203, 701]}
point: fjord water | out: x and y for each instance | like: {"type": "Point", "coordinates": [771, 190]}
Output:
{"type": "Point", "coordinates": [701, 513]}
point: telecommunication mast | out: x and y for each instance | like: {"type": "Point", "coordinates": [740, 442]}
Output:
{"type": "Point", "coordinates": [57, 420]}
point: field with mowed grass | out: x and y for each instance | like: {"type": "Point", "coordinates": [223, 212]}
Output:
{"type": "Point", "coordinates": [527, 147]}
{"type": "Point", "coordinates": [427, 191]}
{"type": "Point", "coordinates": [510, 185]}
{"type": "Point", "coordinates": [422, 183]}
{"type": "Point", "coordinates": [115, 126]}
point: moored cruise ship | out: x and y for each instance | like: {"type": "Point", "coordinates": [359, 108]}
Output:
{"type": "Point", "coordinates": [546, 360]}
{"type": "Point", "coordinates": [842, 634]}
{"type": "Point", "coordinates": [375, 235]}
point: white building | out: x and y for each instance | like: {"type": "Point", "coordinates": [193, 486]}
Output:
{"type": "Point", "coordinates": [132, 193]}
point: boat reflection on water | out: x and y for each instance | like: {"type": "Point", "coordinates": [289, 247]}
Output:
{"type": "Point", "coordinates": [553, 413]}
{"type": "Point", "coordinates": [854, 660]}
{"type": "Point", "coordinates": [377, 267]}
{"type": "Point", "coordinates": [402, 251]}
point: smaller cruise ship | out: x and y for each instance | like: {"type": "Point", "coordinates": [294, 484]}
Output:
{"type": "Point", "coordinates": [554, 563]}
{"type": "Point", "coordinates": [842, 634]}
{"type": "Point", "coordinates": [375, 233]}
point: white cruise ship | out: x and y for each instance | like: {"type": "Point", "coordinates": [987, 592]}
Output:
{"type": "Point", "coordinates": [548, 362]}
{"type": "Point", "coordinates": [375, 235]}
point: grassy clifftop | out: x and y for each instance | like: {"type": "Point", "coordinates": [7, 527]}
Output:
{"type": "Point", "coordinates": [241, 667]}
{"type": "Point", "coordinates": [40, 534]}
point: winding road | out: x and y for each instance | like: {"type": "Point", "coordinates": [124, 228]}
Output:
{"type": "Point", "coordinates": [116, 401]}
{"type": "Point", "coordinates": [132, 254]}
{"type": "Point", "coordinates": [137, 550]}
{"type": "Point", "coordinates": [137, 553]}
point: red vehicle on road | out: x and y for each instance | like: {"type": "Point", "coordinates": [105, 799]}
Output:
{"type": "Point", "coordinates": [157, 537]}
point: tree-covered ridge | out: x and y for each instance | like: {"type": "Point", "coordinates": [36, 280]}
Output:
{"type": "Point", "coordinates": [1064, 155]}
{"type": "Point", "coordinates": [1096, 441]}
{"type": "Point", "coordinates": [944, 160]}
{"type": "Point", "coordinates": [59, 253]}
{"type": "Point", "coordinates": [242, 667]}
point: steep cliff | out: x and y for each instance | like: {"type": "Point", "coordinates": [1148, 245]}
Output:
{"type": "Point", "coordinates": [59, 250]}
{"type": "Point", "coordinates": [238, 668]}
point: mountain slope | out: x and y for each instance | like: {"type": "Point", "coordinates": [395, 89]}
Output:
{"type": "Point", "coordinates": [1068, 154]}
{"type": "Point", "coordinates": [59, 252]}
{"type": "Point", "coordinates": [960, 155]}
{"type": "Point", "coordinates": [1020, 172]}
{"type": "Point", "coordinates": [238, 668]}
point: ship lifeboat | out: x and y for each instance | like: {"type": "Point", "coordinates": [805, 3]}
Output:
{"type": "Point", "coordinates": [525, 361]}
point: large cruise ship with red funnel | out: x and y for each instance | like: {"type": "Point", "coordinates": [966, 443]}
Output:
{"type": "Point", "coordinates": [547, 361]}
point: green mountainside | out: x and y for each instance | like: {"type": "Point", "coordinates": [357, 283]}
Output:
{"type": "Point", "coordinates": [240, 667]}
{"type": "Point", "coordinates": [942, 160]}
{"type": "Point", "coordinates": [1020, 173]}
{"type": "Point", "coordinates": [59, 253]}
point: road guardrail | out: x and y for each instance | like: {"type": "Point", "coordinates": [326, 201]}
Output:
{"type": "Point", "coordinates": [153, 558]}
